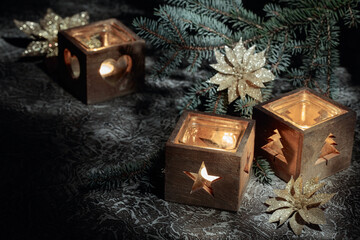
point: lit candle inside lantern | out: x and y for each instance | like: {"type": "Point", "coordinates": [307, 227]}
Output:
{"type": "Point", "coordinates": [303, 109]}
{"type": "Point", "coordinates": [225, 147]}
{"type": "Point", "coordinates": [106, 69]}
{"type": "Point", "coordinates": [206, 176]}
{"type": "Point", "coordinates": [211, 133]}
{"type": "Point", "coordinates": [228, 140]}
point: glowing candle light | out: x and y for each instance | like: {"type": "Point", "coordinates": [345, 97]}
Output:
{"type": "Point", "coordinates": [303, 111]}
{"type": "Point", "coordinates": [206, 176]}
{"type": "Point", "coordinates": [228, 140]}
{"type": "Point", "coordinates": [106, 69]}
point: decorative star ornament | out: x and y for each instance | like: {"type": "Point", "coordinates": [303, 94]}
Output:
{"type": "Point", "coordinates": [241, 71]}
{"type": "Point", "coordinates": [202, 180]}
{"type": "Point", "coordinates": [45, 32]}
{"type": "Point", "coordinates": [299, 203]}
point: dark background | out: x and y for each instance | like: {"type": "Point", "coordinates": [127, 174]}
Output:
{"type": "Point", "coordinates": [26, 215]}
{"type": "Point", "coordinates": [349, 38]}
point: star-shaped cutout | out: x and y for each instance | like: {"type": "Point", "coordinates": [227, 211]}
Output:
{"type": "Point", "coordinates": [202, 180]}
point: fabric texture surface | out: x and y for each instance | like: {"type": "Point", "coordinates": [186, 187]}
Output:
{"type": "Point", "coordinates": [50, 143]}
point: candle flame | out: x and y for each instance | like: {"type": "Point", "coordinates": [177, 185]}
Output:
{"type": "Point", "coordinates": [106, 69]}
{"type": "Point", "coordinates": [228, 139]}
{"type": "Point", "coordinates": [205, 175]}
{"type": "Point", "coordinates": [303, 111]}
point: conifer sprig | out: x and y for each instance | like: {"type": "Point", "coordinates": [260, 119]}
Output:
{"type": "Point", "coordinates": [188, 31]}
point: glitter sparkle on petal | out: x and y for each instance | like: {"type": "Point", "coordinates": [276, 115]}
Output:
{"type": "Point", "coordinates": [244, 68]}
{"type": "Point", "coordinates": [45, 32]}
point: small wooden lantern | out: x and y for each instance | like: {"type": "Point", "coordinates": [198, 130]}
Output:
{"type": "Point", "coordinates": [304, 133]}
{"type": "Point", "coordinates": [208, 160]}
{"type": "Point", "coordinates": [101, 60]}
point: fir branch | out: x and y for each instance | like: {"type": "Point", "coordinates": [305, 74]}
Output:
{"type": "Point", "coordinates": [329, 72]}
{"type": "Point", "coordinates": [262, 170]}
{"type": "Point", "coordinates": [112, 177]}
{"type": "Point", "coordinates": [171, 59]}
{"type": "Point", "coordinates": [175, 27]}
{"type": "Point", "coordinates": [304, 29]}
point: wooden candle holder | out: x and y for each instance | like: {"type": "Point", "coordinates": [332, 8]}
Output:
{"type": "Point", "coordinates": [101, 60]}
{"type": "Point", "coordinates": [304, 133]}
{"type": "Point", "coordinates": [209, 159]}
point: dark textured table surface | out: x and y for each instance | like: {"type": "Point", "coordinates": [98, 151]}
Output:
{"type": "Point", "coordinates": [50, 143]}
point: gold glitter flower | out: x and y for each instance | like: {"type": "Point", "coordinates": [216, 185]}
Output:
{"type": "Point", "coordinates": [45, 32]}
{"type": "Point", "coordinates": [241, 71]}
{"type": "Point", "coordinates": [298, 203]}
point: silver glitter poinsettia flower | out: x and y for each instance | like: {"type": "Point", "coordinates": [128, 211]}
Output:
{"type": "Point", "coordinates": [241, 71]}
{"type": "Point", "coordinates": [299, 203]}
{"type": "Point", "coordinates": [45, 32]}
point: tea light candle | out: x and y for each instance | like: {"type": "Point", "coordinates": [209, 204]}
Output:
{"type": "Point", "coordinates": [304, 133]}
{"type": "Point", "coordinates": [106, 69]}
{"type": "Point", "coordinates": [208, 158]}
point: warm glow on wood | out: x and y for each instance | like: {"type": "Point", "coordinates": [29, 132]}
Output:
{"type": "Point", "coordinates": [202, 180]}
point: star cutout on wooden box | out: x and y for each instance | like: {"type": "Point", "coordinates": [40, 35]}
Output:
{"type": "Point", "coordinates": [202, 180]}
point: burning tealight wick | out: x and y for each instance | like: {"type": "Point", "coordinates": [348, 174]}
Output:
{"type": "Point", "coordinates": [228, 140]}
{"type": "Point", "coordinates": [106, 69]}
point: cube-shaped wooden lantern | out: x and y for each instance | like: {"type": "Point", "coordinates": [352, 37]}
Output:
{"type": "Point", "coordinates": [304, 133]}
{"type": "Point", "coordinates": [101, 60]}
{"type": "Point", "coordinates": [209, 159]}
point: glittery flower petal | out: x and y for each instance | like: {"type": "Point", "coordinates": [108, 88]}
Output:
{"type": "Point", "coordinates": [247, 55]}
{"type": "Point", "coordinates": [253, 80]}
{"type": "Point", "coordinates": [31, 29]}
{"type": "Point", "coordinates": [255, 93]}
{"type": "Point", "coordinates": [230, 55]}
{"type": "Point", "coordinates": [226, 69]}
{"type": "Point", "coordinates": [264, 74]}
{"type": "Point", "coordinates": [232, 94]}
{"type": "Point", "coordinates": [51, 22]}
{"type": "Point", "coordinates": [311, 186]}
{"type": "Point", "coordinates": [45, 32]}
{"type": "Point", "coordinates": [220, 58]}
{"type": "Point", "coordinates": [298, 187]}
{"type": "Point", "coordinates": [271, 201]}
{"type": "Point", "coordinates": [316, 216]}
{"type": "Point", "coordinates": [78, 19]}
{"type": "Point", "coordinates": [242, 89]}
{"type": "Point", "coordinates": [283, 194]}
{"type": "Point", "coordinates": [277, 204]}
{"type": "Point", "coordinates": [257, 61]}
{"type": "Point", "coordinates": [295, 226]}
{"type": "Point", "coordinates": [281, 215]}
{"type": "Point", "coordinates": [320, 198]}
{"type": "Point", "coordinates": [239, 51]}
{"type": "Point", "coordinates": [36, 48]}
{"type": "Point", "coordinates": [289, 185]}
{"type": "Point", "coordinates": [223, 80]}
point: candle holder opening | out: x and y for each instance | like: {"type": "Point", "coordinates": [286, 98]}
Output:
{"type": "Point", "coordinates": [115, 72]}
{"type": "Point", "coordinates": [304, 109]}
{"type": "Point", "coordinates": [72, 64]}
{"type": "Point", "coordinates": [101, 36]}
{"type": "Point", "coordinates": [213, 133]}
